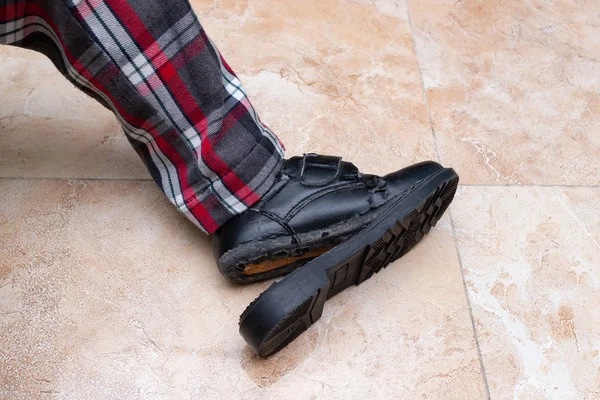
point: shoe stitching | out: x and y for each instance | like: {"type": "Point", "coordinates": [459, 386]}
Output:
{"type": "Point", "coordinates": [282, 223]}
{"type": "Point", "coordinates": [292, 232]}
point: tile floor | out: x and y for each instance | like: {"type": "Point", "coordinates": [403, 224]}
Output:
{"type": "Point", "coordinates": [106, 292]}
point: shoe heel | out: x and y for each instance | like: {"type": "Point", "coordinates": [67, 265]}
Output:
{"type": "Point", "coordinates": [280, 314]}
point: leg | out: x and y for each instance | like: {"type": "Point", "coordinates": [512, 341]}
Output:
{"type": "Point", "coordinates": [181, 106]}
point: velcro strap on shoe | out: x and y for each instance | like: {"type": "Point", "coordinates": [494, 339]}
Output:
{"type": "Point", "coordinates": [318, 170]}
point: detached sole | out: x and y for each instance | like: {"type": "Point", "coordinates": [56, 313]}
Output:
{"type": "Point", "coordinates": [290, 306]}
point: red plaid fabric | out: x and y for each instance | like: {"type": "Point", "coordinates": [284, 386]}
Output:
{"type": "Point", "coordinates": [181, 106]}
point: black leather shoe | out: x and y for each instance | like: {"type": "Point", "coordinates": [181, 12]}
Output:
{"type": "Point", "coordinates": [411, 203]}
{"type": "Point", "coordinates": [317, 203]}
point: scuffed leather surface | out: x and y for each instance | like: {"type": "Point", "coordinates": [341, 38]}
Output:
{"type": "Point", "coordinates": [312, 193]}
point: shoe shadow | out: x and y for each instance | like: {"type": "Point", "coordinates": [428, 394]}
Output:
{"type": "Point", "coordinates": [264, 372]}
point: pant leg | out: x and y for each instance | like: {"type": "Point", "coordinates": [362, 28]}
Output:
{"type": "Point", "coordinates": [181, 106]}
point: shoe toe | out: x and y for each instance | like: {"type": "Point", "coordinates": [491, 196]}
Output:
{"type": "Point", "coordinates": [406, 177]}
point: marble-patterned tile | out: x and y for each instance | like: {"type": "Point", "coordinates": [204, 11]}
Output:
{"type": "Point", "coordinates": [329, 76]}
{"type": "Point", "coordinates": [105, 290]}
{"type": "Point", "coordinates": [49, 128]}
{"type": "Point", "coordinates": [531, 259]}
{"type": "Point", "coordinates": [513, 87]}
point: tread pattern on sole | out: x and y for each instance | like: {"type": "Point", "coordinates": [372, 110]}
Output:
{"type": "Point", "coordinates": [405, 234]}
{"type": "Point", "coordinates": [394, 243]}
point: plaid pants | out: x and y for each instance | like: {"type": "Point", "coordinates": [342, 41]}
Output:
{"type": "Point", "coordinates": [181, 106]}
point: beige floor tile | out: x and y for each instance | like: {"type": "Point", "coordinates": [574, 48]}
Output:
{"type": "Point", "coordinates": [513, 87]}
{"type": "Point", "coordinates": [48, 128]}
{"type": "Point", "coordinates": [329, 76]}
{"type": "Point", "coordinates": [105, 290]}
{"type": "Point", "coordinates": [531, 258]}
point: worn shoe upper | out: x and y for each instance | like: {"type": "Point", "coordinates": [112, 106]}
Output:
{"type": "Point", "coordinates": [317, 202]}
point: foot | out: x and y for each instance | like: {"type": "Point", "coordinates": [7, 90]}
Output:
{"type": "Point", "coordinates": [317, 203]}
{"type": "Point", "coordinates": [290, 306]}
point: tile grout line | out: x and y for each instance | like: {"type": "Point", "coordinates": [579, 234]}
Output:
{"type": "Point", "coordinates": [414, 42]}
{"type": "Point", "coordinates": [482, 185]}
{"type": "Point", "coordinates": [469, 306]}
{"type": "Point", "coordinates": [42, 178]}
{"type": "Point", "coordinates": [534, 185]}
{"type": "Point", "coordinates": [437, 149]}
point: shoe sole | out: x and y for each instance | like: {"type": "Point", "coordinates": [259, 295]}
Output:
{"type": "Point", "coordinates": [290, 306]}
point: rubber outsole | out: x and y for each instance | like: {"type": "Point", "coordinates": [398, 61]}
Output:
{"type": "Point", "coordinates": [290, 306]}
